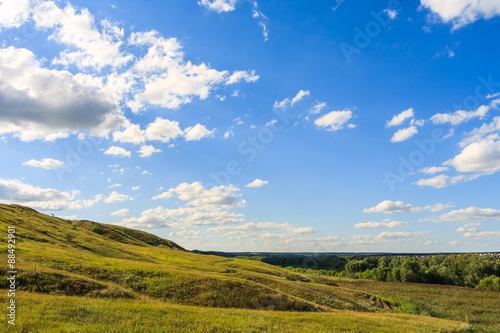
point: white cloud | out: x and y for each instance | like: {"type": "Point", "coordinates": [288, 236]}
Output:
{"type": "Point", "coordinates": [219, 6]}
{"type": "Point", "coordinates": [237, 76]}
{"type": "Point", "coordinates": [185, 216]}
{"type": "Point", "coordinates": [121, 212]}
{"type": "Point", "coordinates": [391, 13]}
{"type": "Point", "coordinates": [301, 231]}
{"type": "Point", "coordinates": [483, 234]}
{"type": "Point", "coordinates": [481, 156]}
{"type": "Point", "coordinates": [197, 195]}
{"type": "Point", "coordinates": [164, 195]}
{"type": "Point", "coordinates": [442, 181]}
{"type": "Point", "coordinates": [489, 131]}
{"type": "Point", "coordinates": [428, 243]}
{"type": "Point", "coordinates": [257, 183]}
{"type": "Point", "coordinates": [114, 185]}
{"type": "Point", "coordinates": [135, 188]}
{"type": "Point", "coordinates": [467, 215]}
{"type": "Point", "coordinates": [391, 207]}
{"type": "Point", "coordinates": [462, 12]}
{"type": "Point", "coordinates": [168, 80]}
{"type": "Point", "coordinates": [197, 133]}
{"type": "Point", "coordinates": [147, 150]}
{"type": "Point", "coordinates": [117, 197]}
{"type": "Point", "coordinates": [229, 133]}
{"type": "Point", "coordinates": [35, 101]}
{"type": "Point", "coordinates": [335, 120]}
{"type": "Point", "coordinates": [388, 235]}
{"type": "Point", "coordinates": [202, 208]}
{"type": "Point", "coordinates": [251, 226]}
{"type": "Point", "coordinates": [460, 116]}
{"type": "Point", "coordinates": [46, 163]}
{"type": "Point", "coordinates": [94, 48]}
{"type": "Point", "coordinates": [404, 134]}
{"type": "Point", "coordinates": [300, 95]}
{"type": "Point", "coordinates": [287, 102]}
{"type": "Point", "coordinates": [16, 192]}
{"type": "Point", "coordinates": [317, 108]}
{"type": "Point", "coordinates": [433, 170]}
{"type": "Point", "coordinates": [117, 151]}
{"type": "Point", "coordinates": [13, 13]}
{"type": "Point", "coordinates": [400, 118]}
{"type": "Point", "coordinates": [380, 225]}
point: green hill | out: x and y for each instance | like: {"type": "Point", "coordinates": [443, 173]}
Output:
{"type": "Point", "coordinates": [83, 276]}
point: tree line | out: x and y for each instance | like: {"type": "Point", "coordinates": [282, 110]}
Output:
{"type": "Point", "coordinates": [467, 270]}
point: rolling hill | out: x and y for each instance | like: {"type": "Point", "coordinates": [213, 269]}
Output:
{"type": "Point", "coordinates": [83, 276]}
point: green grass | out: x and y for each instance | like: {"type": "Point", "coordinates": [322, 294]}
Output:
{"type": "Point", "coordinates": [82, 276]}
{"type": "Point", "coordinates": [42, 313]}
{"type": "Point", "coordinates": [480, 308]}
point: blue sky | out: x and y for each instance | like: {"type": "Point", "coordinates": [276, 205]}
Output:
{"type": "Point", "coordinates": [258, 126]}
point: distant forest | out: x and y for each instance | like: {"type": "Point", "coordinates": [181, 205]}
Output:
{"type": "Point", "coordinates": [467, 270]}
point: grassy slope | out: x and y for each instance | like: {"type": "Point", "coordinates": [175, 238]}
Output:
{"type": "Point", "coordinates": [116, 270]}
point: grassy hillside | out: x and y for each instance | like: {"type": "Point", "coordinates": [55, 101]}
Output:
{"type": "Point", "coordinates": [95, 274]}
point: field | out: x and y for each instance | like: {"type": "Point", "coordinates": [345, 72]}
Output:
{"type": "Point", "coordinates": [81, 276]}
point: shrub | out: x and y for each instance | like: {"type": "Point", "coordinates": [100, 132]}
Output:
{"type": "Point", "coordinates": [490, 283]}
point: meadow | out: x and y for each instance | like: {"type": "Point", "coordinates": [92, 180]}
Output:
{"type": "Point", "coordinates": [83, 276]}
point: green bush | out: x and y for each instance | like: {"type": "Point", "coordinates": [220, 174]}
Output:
{"type": "Point", "coordinates": [490, 283]}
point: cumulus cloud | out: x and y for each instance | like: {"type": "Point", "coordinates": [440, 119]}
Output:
{"type": "Point", "coordinates": [388, 235]}
{"type": "Point", "coordinates": [164, 195]}
{"type": "Point", "coordinates": [35, 101]}
{"type": "Point", "coordinates": [490, 131]}
{"type": "Point", "coordinates": [391, 207]}
{"type": "Point", "coordinates": [257, 183]}
{"type": "Point", "coordinates": [288, 102]}
{"type": "Point", "coordinates": [46, 163]}
{"type": "Point", "coordinates": [462, 12]}
{"type": "Point", "coordinates": [238, 76]}
{"type": "Point", "coordinates": [13, 13]}
{"type": "Point", "coordinates": [219, 6]}
{"type": "Point", "coordinates": [168, 80]}
{"type": "Point", "coordinates": [185, 216]}
{"type": "Point", "coordinates": [433, 170]}
{"type": "Point", "coordinates": [301, 94]}
{"type": "Point", "coordinates": [400, 118]}
{"type": "Point", "coordinates": [49, 104]}
{"type": "Point", "coordinates": [117, 197]}
{"type": "Point", "coordinates": [147, 150]}
{"type": "Point", "coordinates": [442, 181]}
{"type": "Point", "coordinates": [467, 215]}
{"type": "Point", "coordinates": [483, 234]}
{"type": "Point", "coordinates": [202, 207]}
{"type": "Point", "coordinates": [481, 156]}
{"type": "Point", "coordinates": [385, 236]}
{"type": "Point", "coordinates": [404, 134]}
{"type": "Point", "coordinates": [380, 225]}
{"type": "Point", "coordinates": [94, 47]}
{"type": "Point", "coordinates": [391, 13]}
{"type": "Point", "coordinates": [117, 151]}
{"type": "Point", "coordinates": [121, 212]}
{"type": "Point", "coordinates": [335, 120]}
{"type": "Point", "coordinates": [317, 107]}
{"type": "Point", "coordinates": [251, 226]}
{"type": "Point", "coordinates": [197, 132]}
{"type": "Point", "coordinates": [14, 191]}
{"type": "Point", "coordinates": [460, 116]}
